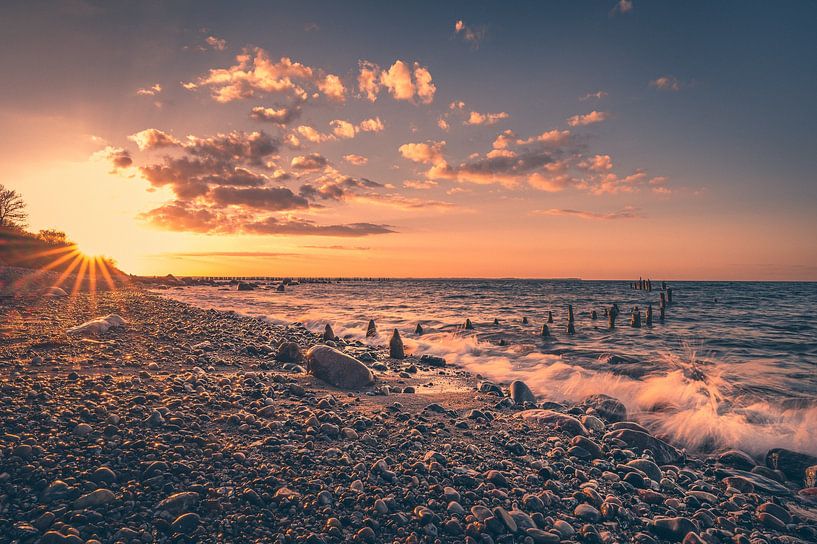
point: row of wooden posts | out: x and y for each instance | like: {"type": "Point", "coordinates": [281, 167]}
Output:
{"type": "Point", "coordinates": [646, 285]}
{"type": "Point", "coordinates": [396, 350]}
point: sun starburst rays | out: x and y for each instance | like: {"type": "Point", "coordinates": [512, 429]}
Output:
{"type": "Point", "coordinates": [82, 272]}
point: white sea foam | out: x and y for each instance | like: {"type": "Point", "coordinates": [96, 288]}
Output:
{"type": "Point", "coordinates": [701, 403]}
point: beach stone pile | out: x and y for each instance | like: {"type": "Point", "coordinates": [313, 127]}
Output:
{"type": "Point", "coordinates": [191, 425]}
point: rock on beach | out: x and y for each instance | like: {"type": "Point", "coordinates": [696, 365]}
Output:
{"type": "Point", "coordinates": [520, 393]}
{"type": "Point", "coordinates": [98, 326]}
{"type": "Point", "coordinates": [337, 368]}
{"type": "Point", "coordinates": [549, 418]}
{"type": "Point", "coordinates": [663, 453]}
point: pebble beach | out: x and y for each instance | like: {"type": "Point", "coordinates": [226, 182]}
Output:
{"type": "Point", "coordinates": [180, 424]}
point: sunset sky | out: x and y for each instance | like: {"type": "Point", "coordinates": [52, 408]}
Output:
{"type": "Point", "coordinates": [479, 139]}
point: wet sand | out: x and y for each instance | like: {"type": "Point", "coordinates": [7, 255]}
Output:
{"type": "Point", "coordinates": [184, 427]}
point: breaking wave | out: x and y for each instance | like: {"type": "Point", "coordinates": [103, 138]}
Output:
{"type": "Point", "coordinates": [747, 384]}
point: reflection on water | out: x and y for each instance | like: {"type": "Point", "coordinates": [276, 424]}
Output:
{"type": "Point", "coordinates": [733, 364]}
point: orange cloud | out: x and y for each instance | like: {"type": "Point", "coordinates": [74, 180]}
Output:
{"type": "Point", "coordinates": [666, 83]}
{"type": "Point", "coordinates": [368, 80]}
{"type": "Point", "coordinates": [471, 35]}
{"type": "Point", "coordinates": [598, 95]}
{"type": "Point", "coordinates": [419, 184]}
{"type": "Point", "coordinates": [622, 6]}
{"type": "Point", "coordinates": [628, 212]}
{"type": "Point", "coordinates": [588, 118]}
{"type": "Point", "coordinates": [313, 135]}
{"type": "Point", "coordinates": [343, 129]}
{"type": "Point", "coordinates": [216, 43]}
{"type": "Point", "coordinates": [373, 124]}
{"type": "Point", "coordinates": [150, 91]}
{"type": "Point", "coordinates": [152, 138]}
{"type": "Point", "coordinates": [398, 81]}
{"type": "Point", "coordinates": [556, 137]}
{"type": "Point", "coordinates": [425, 153]}
{"type": "Point", "coordinates": [425, 87]}
{"type": "Point", "coordinates": [401, 80]}
{"type": "Point", "coordinates": [255, 73]}
{"type": "Point", "coordinates": [313, 161]}
{"type": "Point", "coordinates": [476, 118]}
{"type": "Point", "coordinates": [280, 116]}
{"type": "Point", "coordinates": [119, 158]}
{"type": "Point", "coordinates": [333, 88]}
{"type": "Point", "coordinates": [357, 160]}
{"type": "Point", "coordinates": [597, 163]}
{"type": "Point", "coordinates": [179, 216]}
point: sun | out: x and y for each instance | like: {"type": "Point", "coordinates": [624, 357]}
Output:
{"type": "Point", "coordinates": [77, 269]}
{"type": "Point", "coordinates": [93, 249]}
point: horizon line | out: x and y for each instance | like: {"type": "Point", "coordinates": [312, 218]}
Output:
{"type": "Point", "coordinates": [465, 278]}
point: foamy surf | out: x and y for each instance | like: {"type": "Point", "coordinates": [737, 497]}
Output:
{"type": "Point", "coordinates": [736, 396]}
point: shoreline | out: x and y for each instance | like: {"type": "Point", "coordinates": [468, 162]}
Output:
{"type": "Point", "coordinates": [237, 417]}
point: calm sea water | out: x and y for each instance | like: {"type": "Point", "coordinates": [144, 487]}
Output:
{"type": "Point", "coordinates": [733, 364]}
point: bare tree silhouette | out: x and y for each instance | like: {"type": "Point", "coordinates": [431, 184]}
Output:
{"type": "Point", "coordinates": [12, 208]}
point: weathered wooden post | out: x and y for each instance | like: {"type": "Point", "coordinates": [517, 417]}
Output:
{"type": "Point", "coordinates": [662, 306]}
{"type": "Point", "coordinates": [418, 329]}
{"type": "Point", "coordinates": [594, 315]}
{"type": "Point", "coordinates": [571, 328]}
{"type": "Point", "coordinates": [635, 321]}
{"type": "Point", "coordinates": [396, 350]}
{"type": "Point", "coordinates": [371, 330]}
{"type": "Point", "coordinates": [524, 320]}
{"type": "Point", "coordinates": [468, 325]}
{"type": "Point", "coordinates": [669, 295]}
{"type": "Point", "coordinates": [550, 316]}
{"type": "Point", "coordinates": [545, 331]}
{"type": "Point", "coordinates": [649, 315]}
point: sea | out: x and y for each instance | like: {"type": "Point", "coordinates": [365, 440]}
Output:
{"type": "Point", "coordinates": [732, 364]}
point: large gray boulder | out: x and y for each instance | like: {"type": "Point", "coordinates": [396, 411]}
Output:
{"type": "Point", "coordinates": [337, 368]}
